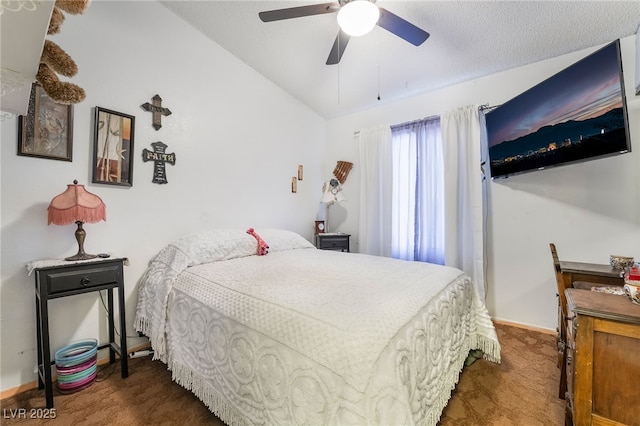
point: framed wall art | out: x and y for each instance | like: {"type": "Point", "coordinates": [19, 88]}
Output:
{"type": "Point", "coordinates": [47, 129]}
{"type": "Point", "coordinates": [113, 148]}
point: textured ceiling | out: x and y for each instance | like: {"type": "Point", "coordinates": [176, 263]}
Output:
{"type": "Point", "coordinates": [469, 39]}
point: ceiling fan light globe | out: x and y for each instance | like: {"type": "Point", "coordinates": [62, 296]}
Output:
{"type": "Point", "coordinates": [358, 17]}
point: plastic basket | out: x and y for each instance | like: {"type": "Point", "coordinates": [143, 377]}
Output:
{"type": "Point", "coordinates": [76, 365]}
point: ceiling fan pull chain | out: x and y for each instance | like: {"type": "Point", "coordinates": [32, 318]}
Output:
{"type": "Point", "coordinates": [378, 80]}
{"type": "Point", "coordinates": [338, 83]}
{"type": "Point", "coordinates": [378, 44]}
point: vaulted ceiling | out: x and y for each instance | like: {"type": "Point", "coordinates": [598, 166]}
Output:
{"type": "Point", "coordinates": [468, 40]}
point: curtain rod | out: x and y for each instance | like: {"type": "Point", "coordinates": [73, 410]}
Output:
{"type": "Point", "coordinates": [483, 107]}
{"type": "Point", "coordinates": [487, 106]}
{"type": "Point", "coordinates": [406, 123]}
{"type": "Point", "coordinates": [410, 123]}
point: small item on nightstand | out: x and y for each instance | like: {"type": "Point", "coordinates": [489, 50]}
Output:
{"type": "Point", "coordinates": [104, 255]}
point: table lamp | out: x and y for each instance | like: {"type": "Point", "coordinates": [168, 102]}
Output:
{"type": "Point", "coordinates": [78, 205]}
{"type": "Point", "coordinates": [331, 193]}
{"type": "Point", "coordinates": [332, 190]}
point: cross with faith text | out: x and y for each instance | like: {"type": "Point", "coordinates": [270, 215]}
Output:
{"type": "Point", "coordinates": [159, 158]}
{"type": "Point", "coordinates": [157, 111]}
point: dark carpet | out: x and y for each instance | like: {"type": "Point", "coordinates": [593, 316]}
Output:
{"type": "Point", "coordinates": [521, 391]}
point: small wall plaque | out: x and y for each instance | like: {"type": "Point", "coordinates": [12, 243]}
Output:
{"type": "Point", "coordinates": [160, 157]}
{"type": "Point", "coordinates": [157, 111]}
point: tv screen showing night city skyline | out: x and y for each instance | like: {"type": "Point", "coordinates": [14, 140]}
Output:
{"type": "Point", "coordinates": [577, 114]}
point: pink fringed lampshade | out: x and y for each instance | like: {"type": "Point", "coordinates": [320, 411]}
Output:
{"type": "Point", "coordinates": [77, 205]}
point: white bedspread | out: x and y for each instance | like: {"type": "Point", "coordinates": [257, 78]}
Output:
{"type": "Point", "coordinates": [311, 336]}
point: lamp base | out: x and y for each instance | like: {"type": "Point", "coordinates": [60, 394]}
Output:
{"type": "Point", "coordinates": [81, 256]}
{"type": "Point", "coordinates": [80, 236]}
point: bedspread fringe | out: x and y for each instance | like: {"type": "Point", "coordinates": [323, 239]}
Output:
{"type": "Point", "coordinates": [449, 383]}
{"type": "Point", "coordinates": [143, 325]}
{"type": "Point", "coordinates": [490, 348]}
{"type": "Point", "coordinates": [491, 352]}
{"type": "Point", "coordinates": [217, 404]}
{"type": "Point", "coordinates": [185, 377]}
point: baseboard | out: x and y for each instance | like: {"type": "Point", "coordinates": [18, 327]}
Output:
{"type": "Point", "coordinates": [526, 327]}
{"type": "Point", "coordinates": [8, 393]}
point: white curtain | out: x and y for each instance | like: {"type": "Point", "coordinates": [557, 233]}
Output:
{"type": "Point", "coordinates": [418, 205]}
{"type": "Point", "coordinates": [374, 228]}
{"type": "Point", "coordinates": [463, 183]}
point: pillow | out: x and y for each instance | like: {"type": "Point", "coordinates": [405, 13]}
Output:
{"type": "Point", "coordinates": [214, 245]}
{"type": "Point", "coordinates": [281, 239]}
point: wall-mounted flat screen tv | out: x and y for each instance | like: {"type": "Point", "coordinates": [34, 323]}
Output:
{"type": "Point", "coordinates": [575, 115]}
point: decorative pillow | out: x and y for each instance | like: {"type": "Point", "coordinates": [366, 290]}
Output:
{"type": "Point", "coordinates": [281, 239]}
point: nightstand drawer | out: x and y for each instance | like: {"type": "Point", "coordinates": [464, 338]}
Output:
{"type": "Point", "coordinates": [333, 242]}
{"type": "Point", "coordinates": [78, 278]}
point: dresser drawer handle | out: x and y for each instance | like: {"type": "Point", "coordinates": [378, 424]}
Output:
{"type": "Point", "coordinates": [85, 281]}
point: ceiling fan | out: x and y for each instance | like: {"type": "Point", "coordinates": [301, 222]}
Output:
{"type": "Point", "coordinates": [359, 8]}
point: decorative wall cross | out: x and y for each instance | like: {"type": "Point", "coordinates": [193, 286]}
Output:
{"type": "Point", "coordinates": [160, 158]}
{"type": "Point", "coordinates": [157, 111]}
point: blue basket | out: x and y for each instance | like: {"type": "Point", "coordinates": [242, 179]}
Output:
{"type": "Point", "coordinates": [76, 365]}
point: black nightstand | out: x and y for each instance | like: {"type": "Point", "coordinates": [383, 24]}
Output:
{"type": "Point", "coordinates": [55, 279]}
{"type": "Point", "coordinates": [333, 242]}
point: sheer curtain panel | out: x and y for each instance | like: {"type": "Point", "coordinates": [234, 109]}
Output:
{"type": "Point", "coordinates": [374, 228]}
{"type": "Point", "coordinates": [463, 183]}
{"type": "Point", "coordinates": [418, 204]}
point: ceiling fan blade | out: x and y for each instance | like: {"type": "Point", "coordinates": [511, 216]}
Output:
{"type": "Point", "coordinates": [338, 48]}
{"type": "Point", "coordinates": [403, 29]}
{"type": "Point", "coordinates": [298, 12]}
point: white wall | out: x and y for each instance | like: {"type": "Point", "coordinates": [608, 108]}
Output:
{"type": "Point", "coordinates": [238, 140]}
{"type": "Point", "coordinates": [590, 210]}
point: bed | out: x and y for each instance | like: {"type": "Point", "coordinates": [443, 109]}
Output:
{"type": "Point", "coordinates": [308, 336]}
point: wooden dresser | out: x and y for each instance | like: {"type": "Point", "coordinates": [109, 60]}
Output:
{"type": "Point", "coordinates": [603, 359]}
{"type": "Point", "coordinates": [576, 275]}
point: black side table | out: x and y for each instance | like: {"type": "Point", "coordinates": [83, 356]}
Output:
{"type": "Point", "coordinates": [60, 278]}
{"type": "Point", "coordinates": [333, 242]}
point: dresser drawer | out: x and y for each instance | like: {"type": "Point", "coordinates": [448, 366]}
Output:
{"type": "Point", "coordinates": [78, 278]}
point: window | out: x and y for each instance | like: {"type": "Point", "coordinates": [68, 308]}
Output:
{"type": "Point", "coordinates": [417, 229]}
